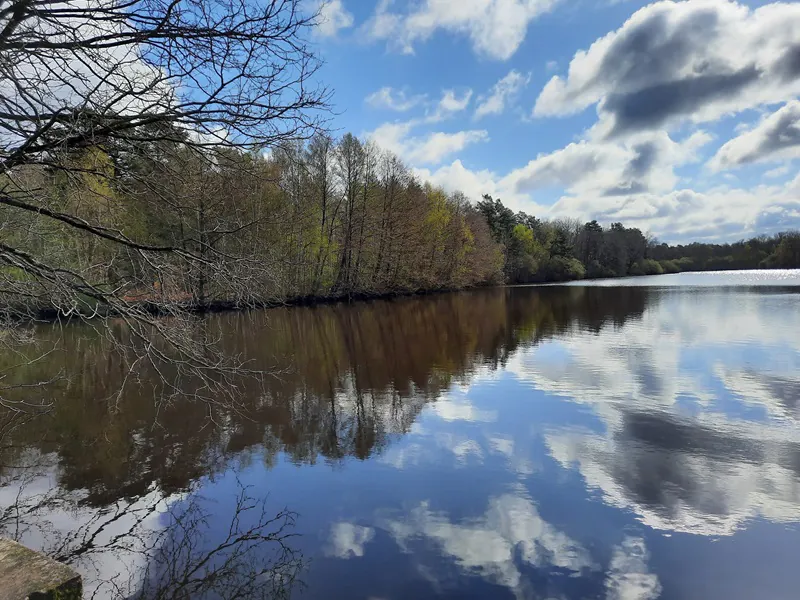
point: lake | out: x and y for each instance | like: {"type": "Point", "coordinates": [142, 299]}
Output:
{"type": "Point", "coordinates": [621, 440]}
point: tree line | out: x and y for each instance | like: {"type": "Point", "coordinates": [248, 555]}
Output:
{"type": "Point", "coordinates": [537, 250]}
{"type": "Point", "coordinates": [324, 218]}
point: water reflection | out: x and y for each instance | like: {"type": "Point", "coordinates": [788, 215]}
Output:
{"type": "Point", "coordinates": [697, 408]}
{"type": "Point", "coordinates": [491, 546]}
{"type": "Point", "coordinates": [156, 546]}
{"type": "Point", "coordinates": [574, 442]}
{"type": "Point", "coordinates": [628, 574]}
{"type": "Point", "coordinates": [345, 380]}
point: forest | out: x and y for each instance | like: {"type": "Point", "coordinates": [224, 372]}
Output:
{"type": "Point", "coordinates": [309, 220]}
{"type": "Point", "coordinates": [537, 250]}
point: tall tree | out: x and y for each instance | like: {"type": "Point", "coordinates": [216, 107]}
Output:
{"type": "Point", "coordinates": [84, 86]}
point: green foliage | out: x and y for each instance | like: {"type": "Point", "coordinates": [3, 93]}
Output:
{"type": "Point", "coordinates": [670, 266]}
{"type": "Point", "coordinates": [646, 266]}
{"type": "Point", "coordinates": [787, 254]}
{"type": "Point", "coordinates": [595, 270]}
{"type": "Point", "coordinates": [563, 268]}
{"type": "Point", "coordinates": [536, 250]}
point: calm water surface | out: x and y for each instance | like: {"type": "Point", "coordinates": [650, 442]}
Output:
{"type": "Point", "coordinates": [609, 441]}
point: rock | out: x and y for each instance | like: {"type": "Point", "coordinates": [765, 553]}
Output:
{"type": "Point", "coordinates": [25, 574]}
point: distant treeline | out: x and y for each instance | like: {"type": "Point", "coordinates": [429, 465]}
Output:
{"type": "Point", "coordinates": [536, 250]}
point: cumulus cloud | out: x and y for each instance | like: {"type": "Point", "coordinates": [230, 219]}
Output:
{"type": "Point", "coordinates": [677, 215]}
{"type": "Point", "coordinates": [392, 99]}
{"type": "Point", "coordinates": [426, 148]}
{"type": "Point", "coordinates": [450, 102]}
{"type": "Point", "coordinates": [670, 62]}
{"type": "Point", "coordinates": [643, 164]}
{"type": "Point", "coordinates": [640, 164]}
{"type": "Point", "coordinates": [333, 17]}
{"type": "Point", "coordinates": [673, 61]}
{"type": "Point", "coordinates": [496, 28]}
{"type": "Point", "coordinates": [502, 93]}
{"type": "Point", "coordinates": [603, 169]}
{"type": "Point", "coordinates": [685, 214]}
{"type": "Point", "coordinates": [457, 177]}
{"type": "Point", "coordinates": [429, 148]}
{"type": "Point", "coordinates": [777, 137]}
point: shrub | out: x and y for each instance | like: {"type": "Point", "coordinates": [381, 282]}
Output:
{"type": "Point", "coordinates": [562, 268]}
{"type": "Point", "coordinates": [597, 271]}
{"type": "Point", "coordinates": [646, 266]}
{"type": "Point", "coordinates": [670, 266]}
{"type": "Point", "coordinates": [686, 263]}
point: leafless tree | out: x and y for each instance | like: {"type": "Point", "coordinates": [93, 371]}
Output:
{"type": "Point", "coordinates": [112, 109]}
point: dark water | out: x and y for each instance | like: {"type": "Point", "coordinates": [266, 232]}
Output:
{"type": "Point", "coordinates": [624, 443]}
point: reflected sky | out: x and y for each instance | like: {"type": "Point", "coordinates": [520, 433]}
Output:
{"type": "Point", "coordinates": [544, 443]}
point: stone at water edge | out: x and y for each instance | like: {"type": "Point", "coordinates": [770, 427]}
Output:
{"type": "Point", "coordinates": [25, 574]}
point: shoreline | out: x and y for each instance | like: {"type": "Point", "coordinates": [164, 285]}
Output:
{"type": "Point", "coordinates": [50, 315]}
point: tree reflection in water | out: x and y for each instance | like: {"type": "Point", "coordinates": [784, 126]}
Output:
{"type": "Point", "coordinates": [111, 480]}
{"type": "Point", "coordinates": [159, 548]}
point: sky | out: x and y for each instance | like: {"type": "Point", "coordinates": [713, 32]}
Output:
{"type": "Point", "coordinates": [681, 118]}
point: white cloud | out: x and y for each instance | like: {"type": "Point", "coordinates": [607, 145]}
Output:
{"type": "Point", "coordinates": [674, 61]}
{"type": "Point", "coordinates": [777, 172]}
{"type": "Point", "coordinates": [496, 28]}
{"type": "Point", "coordinates": [503, 92]}
{"type": "Point", "coordinates": [425, 149]}
{"type": "Point", "coordinates": [598, 183]}
{"type": "Point", "coordinates": [60, 79]}
{"type": "Point", "coordinates": [392, 99]}
{"type": "Point", "coordinates": [452, 103]}
{"type": "Point", "coordinates": [721, 213]}
{"type": "Point", "coordinates": [639, 164]}
{"type": "Point", "coordinates": [635, 178]}
{"type": "Point", "coordinates": [400, 101]}
{"type": "Point", "coordinates": [436, 146]}
{"type": "Point", "coordinates": [776, 137]}
{"type": "Point", "coordinates": [333, 17]}
{"type": "Point", "coordinates": [348, 540]}
{"type": "Point", "coordinates": [457, 177]}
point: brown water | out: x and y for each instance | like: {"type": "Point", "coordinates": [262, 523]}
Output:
{"type": "Point", "coordinates": [543, 442]}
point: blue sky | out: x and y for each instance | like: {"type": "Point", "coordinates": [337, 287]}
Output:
{"type": "Point", "coordinates": [680, 118]}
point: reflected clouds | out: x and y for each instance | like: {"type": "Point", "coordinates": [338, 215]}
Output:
{"type": "Point", "coordinates": [452, 409]}
{"type": "Point", "coordinates": [734, 358]}
{"type": "Point", "coordinates": [496, 545]}
{"type": "Point", "coordinates": [628, 576]}
{"type": "Point", "coordinates": [348, 540]}
{"type": "Point", "coordinates": [542, 440]}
